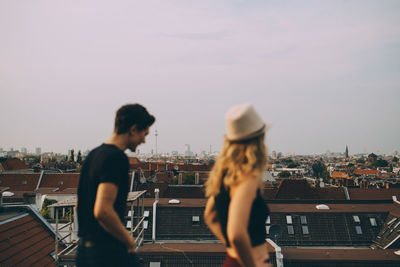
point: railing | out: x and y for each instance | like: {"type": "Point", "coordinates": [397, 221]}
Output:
{"type": "Point", "coordinates": [66, 245]}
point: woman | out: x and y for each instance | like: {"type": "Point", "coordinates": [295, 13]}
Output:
{"type": "Point", "coordinates": [235, 211]}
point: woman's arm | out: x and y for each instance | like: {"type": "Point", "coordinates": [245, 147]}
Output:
{"type": "Point", "coordinates": [242, 197]}
{"type": "Point", "coordinates": [211, 219]}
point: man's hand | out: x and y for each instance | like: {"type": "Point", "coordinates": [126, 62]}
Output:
{"type": "Point", "coordinates": [107, 217]}
{"type": "Point", "coordinates": [131, 247]}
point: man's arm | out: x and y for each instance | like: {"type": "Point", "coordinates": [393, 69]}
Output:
{"type": "Point", "coordinates": [108, 218]}
{"type": "Point", "coordinates": [211, 219]}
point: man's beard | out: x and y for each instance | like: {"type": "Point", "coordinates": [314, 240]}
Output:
{"type": "Point", "coordinates": [133, 147]}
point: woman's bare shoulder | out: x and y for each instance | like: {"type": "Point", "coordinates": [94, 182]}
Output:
{"type": "Point", "coordinates": [249, 183]}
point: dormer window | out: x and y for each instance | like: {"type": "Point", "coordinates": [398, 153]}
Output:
{"type": "Point", "coordinates": [356, 219]}
{"type": "Point", "coordinates": [289, 219]}
{"type": "Point", "coordinates": [303, 219]}
{"type": "Point", "coordinates": [373, 221]}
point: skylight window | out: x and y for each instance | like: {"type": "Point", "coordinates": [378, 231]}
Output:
{"type": "Point", "coordinates": [267, 229]}
{"type": "Point", "coordinates": [358, 230]}
{"type": "Point", "coordinates": [145, 224]}
{"type": "Point", "coordinates": [129, 224]}
{"type": "Point", "coordinates": [356, 218]}
{"type": "Point", "coordinates": [290, 230]}
{"type": "Point", "coordinates": [24, 182]}
{"type": "Point", "coordinates": [322, 207]}
{"type": "Point", "coordinates": [146, 213]}
{"type": "Point", "coordinates": [268, 221]}
{"type": "Point", "coordinates": [305, 230]}
{"type": "Point", "coordinates": [195, 220]}
{"type": "Point", "coordinates": [174, 201]}
{"type": "Point", "coordinates": [373, 221]}
{"type": "Point", "coordinates": [303, 219]}
{"type": "Point", "coordinates": [289, 219]}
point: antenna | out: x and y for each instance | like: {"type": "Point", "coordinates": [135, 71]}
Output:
{"type": "Point", "coordinates": [275, 232]}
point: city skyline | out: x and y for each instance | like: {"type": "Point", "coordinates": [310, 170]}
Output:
{"type": "Point", "coordinates": [323, 74]}
{"type": "Point", "coordinates": [183, 152]}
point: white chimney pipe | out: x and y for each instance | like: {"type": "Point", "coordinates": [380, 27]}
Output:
{"type": "Point", "coordinates": [153, 232]}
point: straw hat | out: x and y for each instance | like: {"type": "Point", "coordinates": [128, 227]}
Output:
{"type": "Point", "coordinates": [243, 122]}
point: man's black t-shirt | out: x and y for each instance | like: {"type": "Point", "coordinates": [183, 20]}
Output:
{"type": "Point", "coordinates": [104, 164]}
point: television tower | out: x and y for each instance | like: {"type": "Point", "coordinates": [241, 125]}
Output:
{"type": "Point", "coordinates": [156, 134]}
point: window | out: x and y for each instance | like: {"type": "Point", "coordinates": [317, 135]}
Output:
{"type": "Point", "coordinates": [24, 182]}
{"type": "Point", "coordinates": [268, 221]}
{"type": "Point", "coordinates": [288, 219]}
{"type": "Point", "coordinates": [290, 230]}
{"type": "Point", "coordinates": [372, 221]}
{"type": "Point", "coordinates": [155, 264]}
{"type": "Point", "coordinates": [305, 230]}
{"type": "Point", "coordinates": [60, 183]}
{"type": "Point", "coordinates": [145, 224]}
{"type": "Point", "coordinates": [356, 219]}
{"type": "Point", "coordinates": [303, 219]}
{"type": "Point", "coordinates": [129, 224]}
{"type": "Point", "coordinates": [130, 213]}
{"type": "Point", "coordinates": [358, 230]}
{"type": "Point", "coordinates": [195, 220]}
{"type": "Point", "coordinates": [146, 213]}
{"type": "Point", "coordinates": [267, 229]}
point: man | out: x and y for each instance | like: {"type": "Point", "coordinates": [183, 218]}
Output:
{"type": "Point", "coordinates": [103, 189]}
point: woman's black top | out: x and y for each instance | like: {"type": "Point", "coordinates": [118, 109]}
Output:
{"type": "Point", "coordinates": [258, 215]}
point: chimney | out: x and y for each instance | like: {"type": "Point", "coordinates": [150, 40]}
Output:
{"type": "Point", "coordinates": [197, 178]}
{"type": "Point", "coordinates": [180, 178]}
{"type": "Point", "coordinates": [157, 194]}
{"type": "Point", "coordinates": [153, 233]}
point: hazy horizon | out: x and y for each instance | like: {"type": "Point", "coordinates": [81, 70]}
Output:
{"type": "Point", "coordinates": [323, 74]}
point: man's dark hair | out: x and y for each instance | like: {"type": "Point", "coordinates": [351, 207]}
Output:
{"type": "Point", "coordinates": [132, 114]}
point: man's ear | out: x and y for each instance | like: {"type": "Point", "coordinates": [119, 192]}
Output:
{"type": "Point", "coordinates": [133, 130]}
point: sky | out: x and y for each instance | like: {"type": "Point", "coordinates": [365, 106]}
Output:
{"type": "Point", "coordinates": [323, 74]}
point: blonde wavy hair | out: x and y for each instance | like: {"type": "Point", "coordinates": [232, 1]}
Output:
{"type": "Point", "coordinates": [237, 160]}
